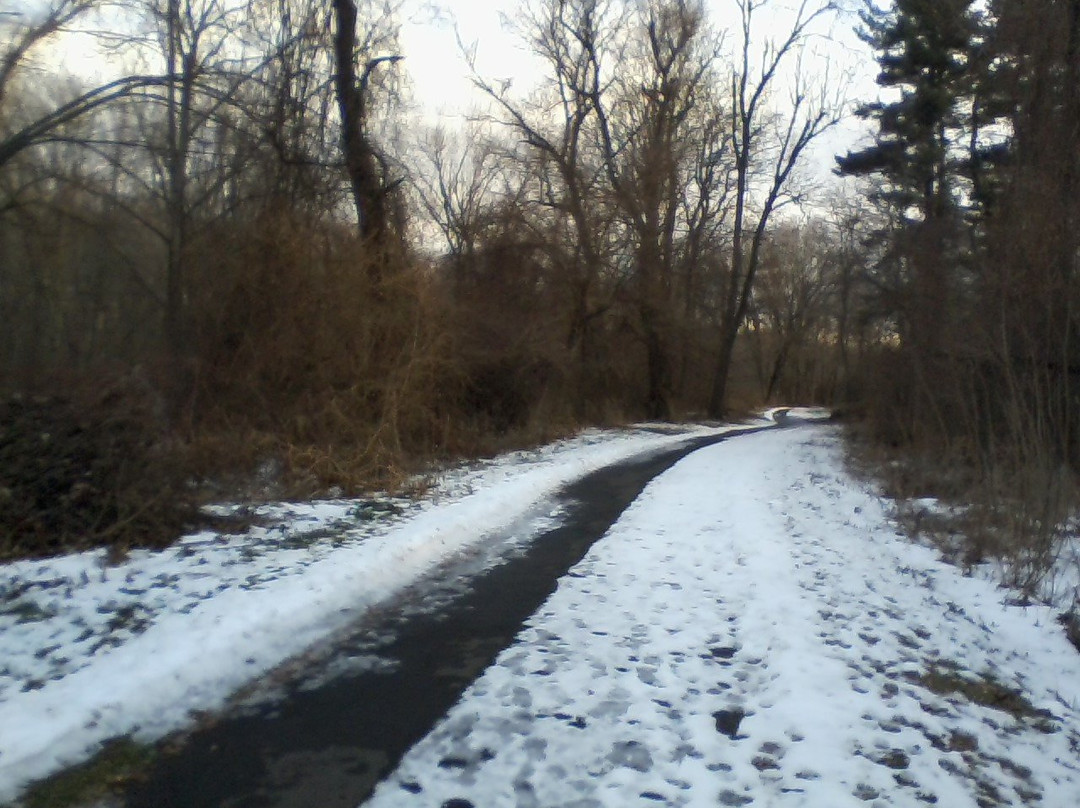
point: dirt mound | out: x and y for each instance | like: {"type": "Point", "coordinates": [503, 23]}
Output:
{"type": "Point", "coordinates": [77, 475]}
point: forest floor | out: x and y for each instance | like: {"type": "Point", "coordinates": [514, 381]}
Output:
{"type": "Point", "coordinates": [754, 629]}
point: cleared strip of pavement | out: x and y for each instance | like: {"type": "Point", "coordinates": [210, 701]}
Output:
{"type": "Point", "coordinates": [331, 743]}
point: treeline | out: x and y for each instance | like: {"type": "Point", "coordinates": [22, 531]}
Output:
{"type": "Point", "coordinates": [253, 248]}
{"type": "Point", "coordinates": [974, 254]}
{"type": "Point", "coordinates": [252, 228]}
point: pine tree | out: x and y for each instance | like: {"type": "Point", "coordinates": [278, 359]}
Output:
{"type": "Point", "coordinates": [925, 52]}
{"type": "Point", "coordinates": [921, 159]}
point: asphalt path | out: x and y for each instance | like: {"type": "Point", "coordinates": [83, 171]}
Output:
{"type": "Point", "coordinates": [308, 738]}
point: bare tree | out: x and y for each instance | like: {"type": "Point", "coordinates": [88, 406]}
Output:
{"type": "Point", "coordinates": [291, 105]}
{"type": "Point", "coordinates": [629, 128]}
{"type": "Point", "coordinates": [646, 139]}
{"type": "Point", "coordinates": [193, 40]}
{"type": "Point", "coordinates": [455, 183]}
{"type": "Point", "coordinates": [793, 304]}
{"type": "Point", "coordinates": [25, 33]}
{"type": "Point", "coordinates": [575, 39]}
{"type": "Point", "coordinates": [365, 165]}
{"type": "Point", "coordinates": [768, 146]}
{"type": "Point", "coordinates": [652, 155]}
{"type": "Point", "coordinates": [706, 211]}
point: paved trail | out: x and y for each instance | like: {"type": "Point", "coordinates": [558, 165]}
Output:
{"type": "Point", "coordinates": [336, 736]}
{"type": "Point", "coordinates": [93, 652]}
{"type": "Point", "coordinates": [753, 631]}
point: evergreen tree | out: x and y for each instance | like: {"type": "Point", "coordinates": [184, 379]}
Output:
{"type": "Point", "coordinates": [926, 53]}
{"type": "Point", "coordinates": [921, 159]}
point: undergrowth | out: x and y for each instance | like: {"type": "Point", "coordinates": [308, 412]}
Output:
{"type": "Point", "coordinates": [1018, 513]}
{"type": "Point", "coordinates": [94, 470]}
{"type": "Point", "coordinates": [316, 375]}
{"type": "Point", "coordinates": [310, 367]}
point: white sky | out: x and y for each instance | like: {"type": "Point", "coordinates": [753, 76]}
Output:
{"type": "Point", "coordinates": [440, 76]}
{"type": "Point", "coordinates": [441, 83]}
{"type": "Point", "coordinates": [434, 60]}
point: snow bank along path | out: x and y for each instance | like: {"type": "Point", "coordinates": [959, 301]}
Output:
{"type": "Point", "coordinates": [753, 631]}
{"type": "Point", "coordinates": [89, 652]}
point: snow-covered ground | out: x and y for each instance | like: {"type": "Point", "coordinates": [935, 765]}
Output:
{"type": "Point", "coordinates": [1054, 581]}
{"type": "Point", "coordinates": [755, 630]}
{"type": "Point", "coordinates": [90, 651]}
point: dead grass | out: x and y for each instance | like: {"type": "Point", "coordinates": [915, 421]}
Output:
{"type": "Point", "coordinates": [1013, 510]}
{"type": "Point", "coordinates": [949, 679]}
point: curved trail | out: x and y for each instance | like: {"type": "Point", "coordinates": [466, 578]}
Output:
{"type": "Point", "coordinates": [328, 740]}
{"type": "Point", "coordinates": [752, 631]}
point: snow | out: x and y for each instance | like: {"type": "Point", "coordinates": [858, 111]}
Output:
{"type": "Point", "coordinates": [1053, 580]}
{"type": "Point", "coordinates": [754, 629]}
{"type": "Point", "coordinates": [90, 651]}
{"type": "Point", "coordinates": [798, 414]}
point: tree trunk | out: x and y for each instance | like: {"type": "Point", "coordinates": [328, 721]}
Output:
{"type": "Point", "coordinates": [718, 400]}
{"type": "Point", "coordinates": [729, 325]}
{"type": "Point", "coordinates": [368, 193]}
{"type": "Point", "coordinates": [778, 370]}
{"type": "Point", "coordinates": [657, 405]}
{"type": "Point", "coordinates": [579, 346]}
{"type": "Point", "coordinates": [181, 89]}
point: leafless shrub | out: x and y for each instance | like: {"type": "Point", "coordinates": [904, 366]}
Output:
{"type": "Point", "coordinates": [337, 373]}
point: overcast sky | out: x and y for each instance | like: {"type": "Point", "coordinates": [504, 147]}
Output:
{"type": "Point", "coordinates": [441, 82]}
{"type": "Point", "coordinates": [440, 77]}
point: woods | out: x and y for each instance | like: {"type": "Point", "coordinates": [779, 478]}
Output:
{"type": "Point", "coordinates": [248, 226]}
{"type": "Point", "coordinates": [255, 231]}
{"type": "Point", "coordinates": [974, 257]}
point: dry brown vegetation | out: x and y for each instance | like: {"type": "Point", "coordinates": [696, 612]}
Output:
{"type": "Point", "coordinates": [248, 245]}
{"type": "Point", "coordinates": [303, 358]}
{"type": "Point", "coordinates": [238, 227]}
{"type": "Point", "coordinates": [1019, 516]}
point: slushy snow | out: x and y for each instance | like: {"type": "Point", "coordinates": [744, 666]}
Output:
{"type": "Point", "coordinates": [754, 631]}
